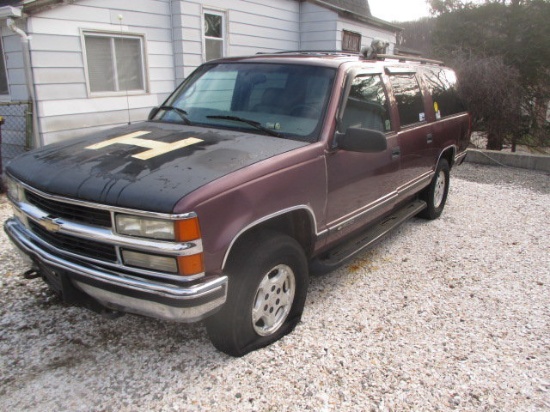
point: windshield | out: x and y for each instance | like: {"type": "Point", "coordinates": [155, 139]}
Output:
{"type": "Point", "coordinates": [276, 99]}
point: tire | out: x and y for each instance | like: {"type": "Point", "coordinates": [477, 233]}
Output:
{"type": "Point", "coordinates": [435, 195]}
{"type": "Point", "coordinates": [268, 279]}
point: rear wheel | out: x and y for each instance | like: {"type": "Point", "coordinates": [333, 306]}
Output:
{"type": "Point", "coordinates": [435, 195]}
{"type": "Point", "coordinates": [268, 281]}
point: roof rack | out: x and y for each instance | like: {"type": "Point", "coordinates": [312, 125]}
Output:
{"type": "Point", "coordinates": [366, 54]}
{"type": "Point", "coordinates": [407, 58]}
{"type": "Point", "coordinates": [321, 52]}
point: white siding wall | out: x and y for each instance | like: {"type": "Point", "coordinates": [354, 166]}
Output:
{"type": "Point", "coordinates": [319, 28]}
{"type": "Point", "coordinates": [15, 71]}
{"type": "Point", "coordinates": [251, 26]}
{"type": "Point", "coordinates": [64, 105]}
{"type": "Point", "coordinates": [322, 30]}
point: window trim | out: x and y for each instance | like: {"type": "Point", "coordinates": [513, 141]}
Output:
{"type": "Point", "coordinates": [111, 35]}
{"type": "Point", "coordinates": [352, 35]}
{"type": "Point", "coordinates": [224, 38]}
{"type": "Point", "coordinates": [5, 96]}
{"type": "Point", "coordinates": [354, 74]}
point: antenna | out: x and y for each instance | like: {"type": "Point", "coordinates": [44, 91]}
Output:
{"type": "Point", "coordinates": [120, 17]}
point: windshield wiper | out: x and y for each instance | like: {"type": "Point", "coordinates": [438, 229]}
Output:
{"type": "Point", "coordinates": [182, 113]}
{"type": "Point", "coordinates": [252, 123]}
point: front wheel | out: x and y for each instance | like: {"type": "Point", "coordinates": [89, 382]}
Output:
{"type": "Point", "coordinates": [268, 279]}
{"type": "Point", "coordinates": [435, 195]}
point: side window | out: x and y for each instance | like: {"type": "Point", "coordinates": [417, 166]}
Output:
{"type": "Point", "coordinates": [443, 87]}
{"type": "Point", "coordinates": [367, 105]}
{"type": "Point", "coordinates": [409, 99]}
{"type": "Point", "coordinates": [114, 63]}
{"type": "Point", "coordinates": [214, 42]}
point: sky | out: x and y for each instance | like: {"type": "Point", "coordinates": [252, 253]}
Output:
{"type": "Point", "coordinates": [399, 10]}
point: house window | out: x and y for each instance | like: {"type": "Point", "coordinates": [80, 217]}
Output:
{"type": "Point", "coordinates": [115, 63]}
{"type": "Point", "coordinates": [351, 41]}
{"type": "Point", "coordinates": [213, 36]}
{"type": "Point", "coordinates": [3, 75]}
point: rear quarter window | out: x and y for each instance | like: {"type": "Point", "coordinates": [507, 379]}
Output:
{"type": "Point", "coordinates": [442, 84]}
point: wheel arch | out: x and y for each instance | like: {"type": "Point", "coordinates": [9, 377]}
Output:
{"type": "Point", "coordinates": [448, 154]}
{"type": "Point", "coordinates": [298, 222]}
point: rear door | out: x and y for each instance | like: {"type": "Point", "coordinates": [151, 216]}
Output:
{"type": "Point", "coordinates": [415, 135]}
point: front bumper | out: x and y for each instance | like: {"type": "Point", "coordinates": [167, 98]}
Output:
{"type": "Point", "coordinates": [187, 302]}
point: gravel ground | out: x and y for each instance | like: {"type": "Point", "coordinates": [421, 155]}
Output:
{"type": "Point", "coordinates": [448, 315]}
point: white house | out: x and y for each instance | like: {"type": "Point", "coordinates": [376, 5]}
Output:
{"type": "Point", "coordinates": [76, 66]}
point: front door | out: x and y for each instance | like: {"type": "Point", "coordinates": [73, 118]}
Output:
{"type": "Point", "coordinates": [361, 186]}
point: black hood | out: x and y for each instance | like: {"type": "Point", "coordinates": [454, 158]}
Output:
{"type": "Point", "coordinates": [150, 166]}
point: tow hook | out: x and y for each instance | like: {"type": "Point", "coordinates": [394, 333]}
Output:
{"type": "Point", "coordinates": [31, 274]}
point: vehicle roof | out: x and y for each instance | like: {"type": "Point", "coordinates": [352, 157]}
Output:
{"type": "Point", "coordinates": [329, 59]}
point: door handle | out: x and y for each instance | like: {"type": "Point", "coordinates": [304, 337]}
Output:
{"type": "Point", "coordinates": [429, 138]}
{"type": "Point", "coordinates": [395, 153]}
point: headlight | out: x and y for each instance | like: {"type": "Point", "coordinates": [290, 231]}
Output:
{"type": "Point", "coordinates": [15, 191]}
{"type": "Point", "coordinates": [179, 230]}
{"type": "Point", "coordinates": [145, 227]}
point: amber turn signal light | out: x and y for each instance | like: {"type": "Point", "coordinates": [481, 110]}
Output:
{"type": "Point", "coordinates": [187, 229]}
{"type": "Point", "coordinates": [190, 265]}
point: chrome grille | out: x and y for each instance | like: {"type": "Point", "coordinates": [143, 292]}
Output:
{"type": "Point", "coordinates": [69, 211]}
{"type": "Point", "coordinates": [79, 246]}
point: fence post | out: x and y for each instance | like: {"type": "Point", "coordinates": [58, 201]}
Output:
{"type": "Point", "coordinates": [1, 167]}
{"type": "Point", "coordinates": [28, 127]}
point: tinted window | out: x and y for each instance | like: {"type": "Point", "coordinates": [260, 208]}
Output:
{"type": "Point", "coordinates": [367, 105]}
{"type": "Point", "coordinates": [442, 85]}
{"type": "Point", "coordinates": [409, 98]}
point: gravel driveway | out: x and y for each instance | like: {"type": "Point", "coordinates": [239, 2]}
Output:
{"type": "Point", "coordinates": [452, 314]}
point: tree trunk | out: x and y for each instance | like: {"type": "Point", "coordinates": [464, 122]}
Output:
{"type": "Point", "coordinates": [494, 141]}
{"type": "Point", "coordinates": [539, 120]}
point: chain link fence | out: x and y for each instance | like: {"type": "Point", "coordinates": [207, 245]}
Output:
{"type": "Point", "coordinates": [15, 132]}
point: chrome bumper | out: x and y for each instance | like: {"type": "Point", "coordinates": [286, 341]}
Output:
{"type": "Point", "coordinates": [119, 291]}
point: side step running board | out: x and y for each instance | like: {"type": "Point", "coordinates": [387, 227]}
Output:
{"type": "Point", "coordinates": [335, 257]}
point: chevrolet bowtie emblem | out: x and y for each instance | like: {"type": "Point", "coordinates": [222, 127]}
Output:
{"type": "Point", "coordinates": [50, 224]}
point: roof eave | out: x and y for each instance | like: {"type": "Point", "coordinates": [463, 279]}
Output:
{"type": "Point", "coordinates": [36, 6]}
{"type": "Point", "coordinates": [373, 21]}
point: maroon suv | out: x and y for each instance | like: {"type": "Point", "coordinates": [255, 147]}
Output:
{"type": "Point", "coordinates": [255, 172]}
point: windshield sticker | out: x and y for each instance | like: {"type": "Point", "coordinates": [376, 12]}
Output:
{"type": "Point", "coordinates": [156, 148]}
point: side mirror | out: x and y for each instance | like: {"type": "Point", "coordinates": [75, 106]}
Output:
{"type": "Point", "coordinates": [153, 113]}
{"type": "Point", "coordinates": [362, 140]}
